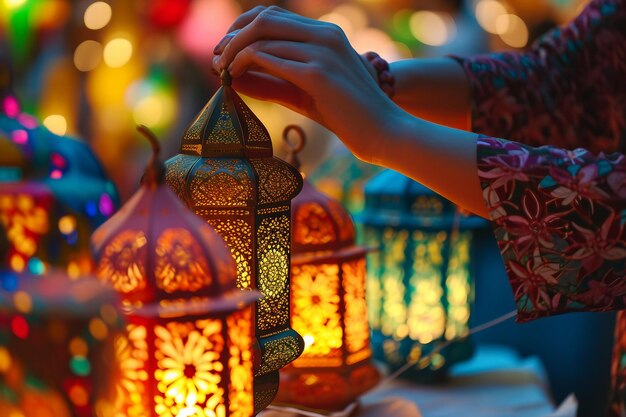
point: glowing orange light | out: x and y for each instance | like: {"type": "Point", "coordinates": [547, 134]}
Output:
{"type": "Point", "coordinates": [327, 307]}
{"type": "Point", "coordinates": [187, 350]}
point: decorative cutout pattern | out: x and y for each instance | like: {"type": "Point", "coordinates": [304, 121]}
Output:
{"type": "Point", "coordinates": [194, 132]}
{"type": "Point", "coordinates": [276, 181]}
{"type": "Point", "coordinates": [355, 317]}
{"type": "Point", "coordinates": [312, 225]}
{"type": "Point", "coordinates": [273, 258]}
{"type": "Point", "coordinates": [278, 353]}
{"type": "Point", "coordinates": [131, 354]}
{"type": "Point", "coordinates": [176, 173]}
{"type": "Point", "coordinates": [240, 363]}
{"type": "Point", "coordinates": [180, 264]}
{"type": "Point", "coordinates": [394, 314]}
{"type": "Point", "coordinates": [223, 131]}
{"type": "Point", "coordinates": [237, 234]}
{"type": "Point", "coordinates": [458, 288]}
{"type": "Point", "coordinates": [189, 371]}
{"type": "Point", "coordinates": [256, 132]}
{"type": "Point", "coordinates": [122, 262]}
{"type": "Point", "coordinates": [221, 182]}
{"type": "Point", "coordinates": [426, 319]}
{"type": "Point", "coordinates": [316, 314]}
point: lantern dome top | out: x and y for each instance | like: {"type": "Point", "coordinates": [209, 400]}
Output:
{"type": "Point", "coordinates": [394, 199]}
{"type": "Point", "coordinates": [226, 127]}
{"type": "Point", "coordinates": [319, 223]}
{"type": "Point", "coordinates": [157, 253]}
{"type": "Point", "coordinates": [226, 159]}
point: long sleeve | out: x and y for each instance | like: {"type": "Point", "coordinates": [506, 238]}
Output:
{"type": "Point", "coordinates": [567, 90]}
{"type": "Point", "coordinates": [559, 218]}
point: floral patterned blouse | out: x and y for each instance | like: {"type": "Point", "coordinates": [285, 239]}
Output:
{"type": "Point", "coordinates": [556, 190]}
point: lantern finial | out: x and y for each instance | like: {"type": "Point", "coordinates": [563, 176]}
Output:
{"type": "Point", "coordinates": [293, 149]}
{"type": "Point", "coordinates": [226, 78]}
{"type": "Point", "coordinates": [155, 170]}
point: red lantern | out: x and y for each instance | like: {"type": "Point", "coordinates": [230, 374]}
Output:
{"type": "Point", "coordinates": [328, 305]}
{"type": "Point", "coordinates": [188, 346]}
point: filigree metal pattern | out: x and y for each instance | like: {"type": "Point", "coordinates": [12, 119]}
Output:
{"type": "Point", "coordinates": [316, 314]}
{"type": "Point", "coordinates": [223, 131]}
{"type": "Point", "coordinates": [240, 363]}
{"type": "Point", "coordinates": [189, 369]}
{"type": "Point", "coordinates": [221, 182]}
{"type": "Point", "coordinates": [458, 287]}
{"type": "Point", "coordinates": [123, 260]}
{"type": "Point", "coordinates": [312, 225]}
{"type": "Point", "coordinates": [176, 177]}
{"type": "Point", "coordinates": [256, 132]}
{"type": "Point", "coordinates": [278, 353]}
{"type": "Point", "coordinates": [194, 131]}
{"type": "Point", "coordinates": [180, 264]}
{"type": "Point", "coordinates": [357, 328]}
{"type": "Point", "coordinates": [237, 233]}
{"type": "Point", "coordinates": [276, 181]}
{"type": "Point", "coordinates": [273, 257]}
{"type": "Point", "coordinates": [394, 311]}
{"type": "Point", "coordinates": [131, 354]}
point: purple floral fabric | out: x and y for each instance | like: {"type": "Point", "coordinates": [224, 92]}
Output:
{"type": "Point", "coordinates": [557, 195]}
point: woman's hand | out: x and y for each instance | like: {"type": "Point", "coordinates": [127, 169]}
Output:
{"type": "Point", "coordinates": [310, 67]}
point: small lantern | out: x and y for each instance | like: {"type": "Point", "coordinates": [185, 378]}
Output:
{"type": "Point", "coordinates": [56, 345]}
{"type": "Point", "coordinates": [53, 194]}
{"type": "Point", "coordinates": [226, 173]}
{"type": "Point", "coordinates": [328, 305]}
{"type": "Point", "coordinates": [420, 288]}
{"type": "Point", "coordinates": [188, 346]}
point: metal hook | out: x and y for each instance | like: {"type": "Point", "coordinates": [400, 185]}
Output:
{"type": "Point", "coordinates": [225, 77]}
{"type": "Point", "coordinates": [293, 149]}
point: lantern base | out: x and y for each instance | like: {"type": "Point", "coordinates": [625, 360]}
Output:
{"type": "Point", "coordinates": [395, 354]}
{"type": "Point", "coordinates": [265, 389]}
{"type": "Point", "coordinates": [325, 390]}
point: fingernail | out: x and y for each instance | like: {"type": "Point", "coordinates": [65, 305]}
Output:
{"type": "Point", "coordinates": [216, 59]}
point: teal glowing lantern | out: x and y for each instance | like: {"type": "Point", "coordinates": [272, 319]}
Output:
{"type": "Point", "coordinates": [419, 286]}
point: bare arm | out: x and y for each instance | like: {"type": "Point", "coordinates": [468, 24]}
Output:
{"type": "Point", "coordinates": [434, 89]}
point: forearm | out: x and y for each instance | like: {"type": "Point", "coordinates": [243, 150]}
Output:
{"type": "Point", "coordinates": [434, 89]}
{"type": "Point", "coordinates": [440, 157]}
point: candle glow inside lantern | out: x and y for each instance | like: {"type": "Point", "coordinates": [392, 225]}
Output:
{"type": "Point", "coordinates": [420, 288]}
{"type": "Point", "coordinates": [188, 346]}
{"type": "Point", "coordinates": [328, 306]}
{"type": "Point", "coordinates": [227, 174]}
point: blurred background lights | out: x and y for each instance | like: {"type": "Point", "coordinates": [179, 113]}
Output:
{"type": "Point", "coordinates": [97, 15]}
{"type": "Point", "coordinates": [56, 124]}
{"type": "Point", "coordinates": [512, 30]}
{"type": "Point", "coordinates": [87, 55]}
{"type": "Point", "coordinates": [487, 13]}
{"type": "Point", "coordinates": [14, 4]}
{"type": "Point", "coordinates": [118, 52]}
{"type": "Point", "coordinates": [430, 28]}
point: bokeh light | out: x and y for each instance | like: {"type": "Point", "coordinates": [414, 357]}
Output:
{"type": "Point", "coordinates": [98, 15]}
{"type": "Point", "coordinates": [87, 55]}
{"type": "Point", "coordinates": [512, 30]}
{"type": "Point", "coordinates": [487, 13]}
{"type": "Point", "coordinates": [430, 28]}
{"type": "Point", "coordinates": [118, 52]}
{"type": "Point", "coordinates": [56, 124]}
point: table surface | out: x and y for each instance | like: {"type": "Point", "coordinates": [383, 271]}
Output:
{"type": "Point", "coordinates": [495, 382]}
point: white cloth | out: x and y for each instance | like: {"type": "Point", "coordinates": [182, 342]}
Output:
{"type": "Point", "coordinates": [496, 382]}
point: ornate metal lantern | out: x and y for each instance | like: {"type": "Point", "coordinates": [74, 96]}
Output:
{"type": "Point", "coordinates": [419, 286]}
{"type": "Point", "coordinates": [226, 173]}
{"type": "Point", "coordinates": [328, 305]}
{"type": "Point", "coordinates": [188, 346]}
{"type": "Point", "coordinates": [56, 345]}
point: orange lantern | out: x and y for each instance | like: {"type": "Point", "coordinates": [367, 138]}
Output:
{"type": "Point", "coordinates": [328, 305]}
{"type": "Point", "coordinates": [227, 174]}
{"type": "Point", "coordinates": [188, 346]}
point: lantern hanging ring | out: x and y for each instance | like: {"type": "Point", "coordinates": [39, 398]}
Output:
{"type": "Point", "coordinates": [294, 148]}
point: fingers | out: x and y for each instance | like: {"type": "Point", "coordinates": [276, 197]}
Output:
{"type": "Point", "coordinates": [267, 25]}
{"type": "Point", "coordinates": [264, 86]}
{"type": "Point", "coordinates": [286, 50]}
